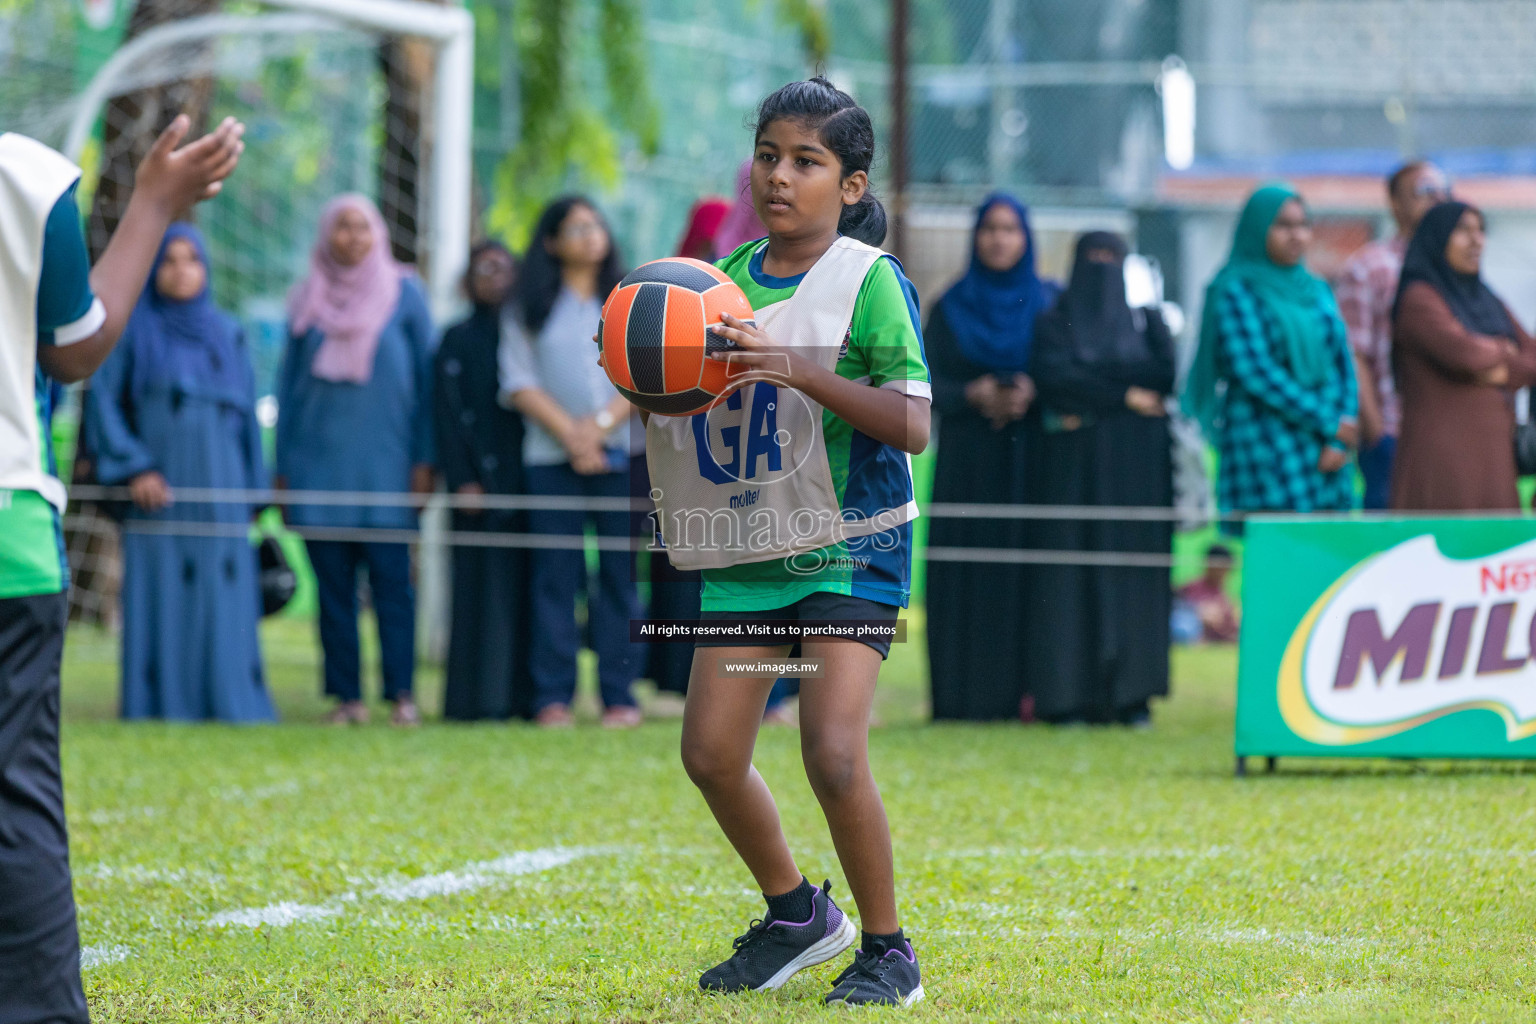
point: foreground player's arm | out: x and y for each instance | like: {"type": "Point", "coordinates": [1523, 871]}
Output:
{"type": "Point", "coordinates": [886, 394]}
{"type": "Point", "coordinates": [167, 182]}
{"type": "Point", "coordinates": [890, 417]}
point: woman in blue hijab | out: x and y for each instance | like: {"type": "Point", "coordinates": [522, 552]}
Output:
{"type": "Point", "coordinates": [979, 342]}
{"type": "Point", "coordinates": [173, 408]}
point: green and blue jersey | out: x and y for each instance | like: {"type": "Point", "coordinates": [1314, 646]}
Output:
{"type": "Point", "coordinates": [883, 348]}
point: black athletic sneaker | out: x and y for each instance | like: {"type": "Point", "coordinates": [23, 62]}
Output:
{"type": "Point", "coordinates": [890, 980]}
{"type": "Point", "coordinates": [771, 951]}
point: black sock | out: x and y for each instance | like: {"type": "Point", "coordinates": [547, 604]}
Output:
{"type": "Point", "coordinates": [879, 945]}
{"type": "Point", "coordinates": [794, 906]}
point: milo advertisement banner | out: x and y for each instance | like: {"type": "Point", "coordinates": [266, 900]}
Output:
{"type": "Point", "coordinates": [1388, 638]}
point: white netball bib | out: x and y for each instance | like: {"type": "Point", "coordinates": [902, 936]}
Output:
{"type": "Point", "coordinates": [749, 480]}
{"type": "Point", "coordinates": [32, 178]}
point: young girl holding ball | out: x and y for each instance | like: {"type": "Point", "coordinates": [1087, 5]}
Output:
{"type": "Point", "coordinates": [818, 441]}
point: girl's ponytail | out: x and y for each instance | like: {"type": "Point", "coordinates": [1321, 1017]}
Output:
{"type": "Point", "coordinates": [864, 221]}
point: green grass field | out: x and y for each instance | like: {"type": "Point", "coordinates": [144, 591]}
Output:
{"type": "Point", "coordinates": [498, 873]}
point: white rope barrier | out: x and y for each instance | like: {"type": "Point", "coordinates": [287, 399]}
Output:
{"type": "Point", "coordinates": [572, 503]}
{"type": "Point", "coordinates": [185, 496]}
{"type": "Point", "coordinates": [496, 539]}
{"type": "Point", "coordinates": [522, 502]}
{"type": "Point", "coordinates": [578, 542]}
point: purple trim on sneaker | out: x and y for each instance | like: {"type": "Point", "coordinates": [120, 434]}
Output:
{"type": "Point", "coordinates": [834, 916]}
{"type": "Point", "coordinates": [910, 955]}
{"type": "Point", "coordinates": [792, 924]}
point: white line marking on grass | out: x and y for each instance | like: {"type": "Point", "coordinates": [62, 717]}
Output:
{"type": "Point", "coordinates": [1302, 939]}
{"type": "Point", "coordinates": [277, 915]}
{"type": "Point", "coordinates": [475, 875]}
{"type": "Point", "coordinates": [138, 874]}
{"type": "Point", "coordinates": [100, 956]}
{"type": "Point", "coordinates": [117, 817]}
{"type": "Point", "coordinates": [232, 793]}
{"type": "Point", "coordinates": [255, 793]}
{"type": "Point", "coordinates": [480, 874]}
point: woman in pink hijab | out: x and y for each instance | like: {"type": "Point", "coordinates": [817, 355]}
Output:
{"type": "Point", "coordinates": [354, 414]}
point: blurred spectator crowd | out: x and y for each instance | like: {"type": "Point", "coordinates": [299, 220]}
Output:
{"type": "Point", "coordinates": [1391, 387]}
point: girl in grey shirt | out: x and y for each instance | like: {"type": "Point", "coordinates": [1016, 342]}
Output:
{"type": "Point", "coordinates": [583, 440]}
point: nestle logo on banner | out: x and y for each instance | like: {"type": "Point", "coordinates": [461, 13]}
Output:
{"type": "Point", "coordinates": [1411, 635]}
{"type": "Point", "coordinates": [1509, 577]}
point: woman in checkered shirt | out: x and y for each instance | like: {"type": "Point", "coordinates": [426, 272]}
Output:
{"type": "Point", "coordinates": [1273, 383]}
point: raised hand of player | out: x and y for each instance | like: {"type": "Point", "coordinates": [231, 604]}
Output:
{"type": "Point", "coordinates": [758, 357]}
{"type": "Point", "coordinates": [168, 181]}
{"type": "Point", "coordinates": [176, 178]}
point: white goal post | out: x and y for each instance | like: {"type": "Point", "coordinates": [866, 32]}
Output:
{"type": "Point", "coordinates": [450, 29]}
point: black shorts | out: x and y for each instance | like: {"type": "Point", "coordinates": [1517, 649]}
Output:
{"type": "Point", "coordinates": [39, 942]}
{"type": "Point", "coordinates": [818, 607]}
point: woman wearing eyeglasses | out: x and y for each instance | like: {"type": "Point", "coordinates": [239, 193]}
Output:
{"type": "Point", "coordinates": [583, 440]}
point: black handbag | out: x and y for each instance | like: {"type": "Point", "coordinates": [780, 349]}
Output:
{"type": "Point", "coordinates": [278, 580]}
{"type": "Point", "coordinates": [1525, 438]}
{"type": "Point", "coordinates": [1525, 448]}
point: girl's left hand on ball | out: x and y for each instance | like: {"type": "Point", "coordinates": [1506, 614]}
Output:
{"type": "Point", "coordinates": [757, 357]}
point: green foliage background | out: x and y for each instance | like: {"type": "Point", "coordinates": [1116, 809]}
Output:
{"type": "Point", "coordinates": [584, 94]}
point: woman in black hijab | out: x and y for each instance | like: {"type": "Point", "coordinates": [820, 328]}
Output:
{"type": "Point", "coordinates": [1104, 371]}
{"type": "Point", "coordinates": [480, 452]}
{"type": "Point", "coordinates": [1457, 353]}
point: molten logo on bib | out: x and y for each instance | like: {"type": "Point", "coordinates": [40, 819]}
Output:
{"type": "Point", "coordinates": [1409, 636]}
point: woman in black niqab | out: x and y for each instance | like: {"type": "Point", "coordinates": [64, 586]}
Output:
{"type": "Point", "coordinates": [1099, 634]}
{"type": "Point", "coordinates": [480, 452]}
